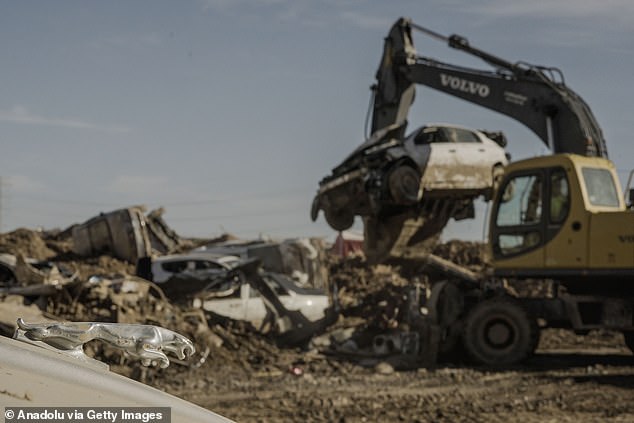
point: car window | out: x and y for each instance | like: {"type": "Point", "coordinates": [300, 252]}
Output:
{"type": "Point", "coordinates": [521, 202]}
{"type": "Point", "coordinates": [206, 264]}
{"type": "Point", "coordinates": [174, 266]}
{"type": "Point", "coordinates": [426, 136]}
{"type": "Point", "coordinates": [462, 135]}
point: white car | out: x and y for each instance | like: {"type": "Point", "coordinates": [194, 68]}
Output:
{"type": "Point", "coordinates": [213, 283]}
{"type": "Point", "coordinates": [245, 303]}
{"type": "Point", "coordinates": [453, 157]}
{"type": "Point", "coordinates": [387, 175]}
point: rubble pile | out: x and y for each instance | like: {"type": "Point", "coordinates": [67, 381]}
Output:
{"type": "Point", "coordinates": [371, 295]}
{"type": "Point", "coordinates": [27, 242]}
{"type": "Point", "coordinates": [372, 300]}
{"type": "Point", "coordinates": [463, 253]}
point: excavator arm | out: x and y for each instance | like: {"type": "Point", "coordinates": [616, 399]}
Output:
{"type": "Point", "coordinates": [532, 95]}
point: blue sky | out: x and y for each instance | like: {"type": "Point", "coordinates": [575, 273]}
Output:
{"type": "Point", "coordinates": [228, 113]}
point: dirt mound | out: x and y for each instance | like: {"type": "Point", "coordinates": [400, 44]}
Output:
{"type": "Point", "coordinates": [26, 242]}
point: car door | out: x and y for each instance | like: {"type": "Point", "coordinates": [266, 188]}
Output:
{"type": "Point", "coordinates": [462, 159]}
{"type": "Point", "coordinates": [233, 306]}
{"type": "Point", "coordinates": [255, 310]}
{"type": "Point", "coordinates": [443, 159]}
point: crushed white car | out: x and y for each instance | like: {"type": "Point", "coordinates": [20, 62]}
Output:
{"type": "Point", "coordinates": [243, 302]}
{"type": "Point", "coordinates": [386, 175]}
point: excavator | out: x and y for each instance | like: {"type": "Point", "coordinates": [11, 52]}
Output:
{"type": "Point", "coordinates": [400, 216]}
{"type": "Point", "coordinates": [558, 222]}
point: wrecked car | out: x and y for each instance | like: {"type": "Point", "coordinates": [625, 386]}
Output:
{"type": "Point", "coordinates": [303, 259]}
{"type": "Point", "coordinates": [165, 267]}
{"type": "Point", "coordinates": [182, 276]}
{"type": "Point", "coordinates": [243, 302]}
{"type": "Point", "coordinates": [241, 290]}
{"type": "Point", "coordinates": [386, 174]}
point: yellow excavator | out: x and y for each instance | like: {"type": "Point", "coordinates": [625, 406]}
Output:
{"type": "Point", "coordinates": [559, 220]}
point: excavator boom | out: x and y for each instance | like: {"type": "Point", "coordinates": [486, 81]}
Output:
{"type": "Point", "coordinates": [527, 93]}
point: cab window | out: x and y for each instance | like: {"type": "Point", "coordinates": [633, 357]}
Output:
{"type": "Point", "coordinates": [559, 196]}
{"type": "Point", "coordinates": [519, 215]}
{"type": "Point", "coordinates": [521, 202]}
{"type": "Point", "coordinates": [600, 187]}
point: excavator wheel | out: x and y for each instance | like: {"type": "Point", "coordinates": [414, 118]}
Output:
{"type": "Point", "coordinates": [498, 332]}
{"type": "Point", "coordinates": [339, 219]}
{"type": "Point", "coordinates": [403, 181]}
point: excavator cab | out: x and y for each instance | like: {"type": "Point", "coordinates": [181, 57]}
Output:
{"type": "Point", "coordinates": [562, 217]}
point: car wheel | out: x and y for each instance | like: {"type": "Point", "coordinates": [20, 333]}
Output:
{"type": "Point", "coordinates": [404, 184]}
{"type": "Point", "coordinates": [498, 332]}
{"type": "Point", "coordinates": [339, 219]}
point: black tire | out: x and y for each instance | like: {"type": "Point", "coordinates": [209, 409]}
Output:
{"type": "Point", "coordinates": [445, 307]}
{"type": "Point", "coordinates": [404, 185]}
{"type": "Point", "coordinates": [628, 336]}
{"type": "Point", "coordinates": [498, 332]}
{"type": "Point", "coordinates": [339, 219]}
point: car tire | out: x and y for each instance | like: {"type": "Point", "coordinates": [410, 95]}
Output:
{"type": "Point", "coordinates": [339, 219]}
{"type": "Point", "coordinates": [403, 183]}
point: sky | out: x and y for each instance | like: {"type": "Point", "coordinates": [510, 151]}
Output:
{"type": "Point", "coordinates": [227, 113]}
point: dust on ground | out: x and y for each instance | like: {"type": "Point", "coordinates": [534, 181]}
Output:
{"type": "Point", "coordinates": [247, 378]}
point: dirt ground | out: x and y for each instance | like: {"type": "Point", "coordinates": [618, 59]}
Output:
{"type": "Point", "coordinates": [570, 379]}
{"type": "Point", "coordinates": [247, 378]}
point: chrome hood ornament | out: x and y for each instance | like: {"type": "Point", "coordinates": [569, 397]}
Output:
{"type": "Point", "coordinates": [145, 342]}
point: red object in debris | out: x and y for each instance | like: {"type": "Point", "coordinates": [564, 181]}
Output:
{"type": "Point", "coordinates": [297, 371]}
{"type": "Point", "coordinates": [347, 243]}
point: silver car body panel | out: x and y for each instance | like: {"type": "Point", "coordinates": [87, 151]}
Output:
{"type": "Point", "coordinates": [31, 376]}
